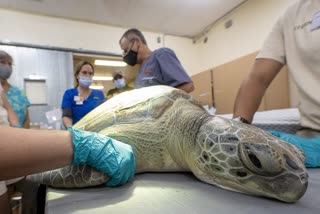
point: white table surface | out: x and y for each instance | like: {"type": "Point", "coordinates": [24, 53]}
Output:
{"type": "Point", "coordinates": [175, 193]}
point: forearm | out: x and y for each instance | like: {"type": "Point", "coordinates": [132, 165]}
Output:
{"type": "Point", "coordinates": [248, 99]}
{"type": "Point", "coordinates": [187, 87]}
{"type": "Point", "coordinates": [26, 152]}
{"type": "Point", "coordinates": [67, 121]}
{"type": "Point", "coordinates": [254, 87]}
{"type": "Point", "coordinates": [12, 116]}
{"type": "Point", "coordinates": [26, 123]}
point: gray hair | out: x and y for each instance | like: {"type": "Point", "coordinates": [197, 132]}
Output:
{"type": "Point", "coordinates": [133, 33]}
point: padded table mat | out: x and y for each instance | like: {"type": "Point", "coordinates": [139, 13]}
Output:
{"type": "Point", "coordinates": [159, 193]}
{"type": "Point", "coordinates": [284, 120]}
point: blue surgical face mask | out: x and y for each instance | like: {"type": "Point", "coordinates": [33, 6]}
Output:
{"type": "Point", "coordinates": [5, 71]}
{"type": "Point", "coordinates": [85, 81]}
{"type": "Point", "coordinates": [120, 83]}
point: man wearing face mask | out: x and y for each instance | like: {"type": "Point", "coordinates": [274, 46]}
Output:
{"type": "Point", "coordinates": [120, 83]}
{"type": "Point", "coordinates": [16, 97]}
{"type": "Point", "coordinates": [158, 67]}
{"type": "Point", "coordinates": [79, 101]}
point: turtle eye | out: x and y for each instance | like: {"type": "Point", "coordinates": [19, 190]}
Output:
{"type": "Point", "coordinates": [255, 160]}
{"type": "Point", "coordinates": [261, 159]}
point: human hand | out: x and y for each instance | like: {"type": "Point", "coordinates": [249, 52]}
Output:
{"type": "Point", "coordinates": [108, 155]}
{"type": "Point", "coordinates": [309, 146]}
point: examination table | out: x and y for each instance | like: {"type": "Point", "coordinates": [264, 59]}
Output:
{"type": "Point", "coordinates": [180, 193]}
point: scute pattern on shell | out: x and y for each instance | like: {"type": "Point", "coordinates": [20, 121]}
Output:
{"type": "Point", "coordinates": [169, 131]}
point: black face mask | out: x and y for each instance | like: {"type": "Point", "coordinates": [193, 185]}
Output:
{"type": "Point", "coordinates": [131, 58]}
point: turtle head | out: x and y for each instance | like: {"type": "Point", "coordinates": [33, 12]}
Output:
{"type": "Point", "coordinates": [243, 158]}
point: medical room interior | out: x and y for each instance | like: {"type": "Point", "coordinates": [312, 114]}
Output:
{"type": "Point", "coordinates": [216, 42]}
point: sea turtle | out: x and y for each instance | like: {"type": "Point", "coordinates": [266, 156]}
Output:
{"type": "Point", "coordinates": [169, 131]}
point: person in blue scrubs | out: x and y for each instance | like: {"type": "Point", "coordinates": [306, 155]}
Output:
{"type": "Point", "coordinates": [158, 67]}
{"type": "Point", "coordinates": [79, 101]}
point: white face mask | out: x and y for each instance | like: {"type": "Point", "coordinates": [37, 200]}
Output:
{"type": "Point", "coordinates": [120, 83]}
{"type": "Point", "coordinates": [85, 81]}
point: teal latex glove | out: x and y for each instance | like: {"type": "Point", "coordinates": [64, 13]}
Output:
{"type": "Point", "coordinates": [309, 146]}
{"type": "Point", "coordinates": [107, 155]}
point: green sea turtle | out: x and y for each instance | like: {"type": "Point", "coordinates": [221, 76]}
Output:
{"type": "Point", "coordinates": [169, 131]}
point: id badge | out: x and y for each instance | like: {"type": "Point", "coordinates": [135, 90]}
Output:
{"type": "Point", "coordinates": [78, 100]}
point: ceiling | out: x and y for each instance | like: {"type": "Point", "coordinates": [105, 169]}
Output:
{"type": "Point", "coordinates": [187, 18]}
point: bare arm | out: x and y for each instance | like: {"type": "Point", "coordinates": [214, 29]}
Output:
{"type": "Point", "coordinates": [254, 87]}
{"type": "Point", "coordinates": [24, 152]}
{"type": "Point", "coordinates": [26, 123]}
{"type": "Point", "coordinates": [12, 116]}
{"type": "Point", "coordinates": [187, 87]}
{"type": "Point", "coordinates": [67, 121]}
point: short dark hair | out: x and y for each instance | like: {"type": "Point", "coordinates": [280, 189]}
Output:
{"type": "Point", "coordinates": [132, 34]}
{"type": "Point", "coordinates": [78, 69]}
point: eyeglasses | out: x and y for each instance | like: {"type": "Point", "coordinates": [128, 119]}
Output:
{"type": "Point", "coordinates": [126, 50]}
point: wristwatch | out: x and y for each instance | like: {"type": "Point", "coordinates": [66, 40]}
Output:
{"type": "Point", "coordinates": [241, 119]}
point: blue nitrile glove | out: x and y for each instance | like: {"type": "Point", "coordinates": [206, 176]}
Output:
{"type": "Point", "coordinates": [309, 146]}
{"type": "Point", "coordinates": [110, 156]}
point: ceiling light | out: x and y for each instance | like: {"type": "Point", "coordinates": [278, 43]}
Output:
{"type": "Point", "coordinates": [110, 63]}
{"type": "Point", "coordinates": [99, 87]}
{"type": "Point", "coordinates": [102, 78]}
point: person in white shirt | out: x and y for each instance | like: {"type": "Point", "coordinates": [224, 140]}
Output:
{"type": "Point", "coordinates": [294, 41]}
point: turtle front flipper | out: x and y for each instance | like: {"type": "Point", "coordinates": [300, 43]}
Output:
{"type": "Point", "coordinates": [70, 177]}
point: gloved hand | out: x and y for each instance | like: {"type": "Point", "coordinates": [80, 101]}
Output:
{"type": "Point", "coordinates": [309, 146]}
{"type": "Point", "coordinates": [110, 156]}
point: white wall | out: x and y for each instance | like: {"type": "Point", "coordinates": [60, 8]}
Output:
{"type": "Point", "coordinates": [251, 24]}
{"type": "Point", "coordinates": [44, 30]}
{"type": "Point", "coordinates": [184, 49]}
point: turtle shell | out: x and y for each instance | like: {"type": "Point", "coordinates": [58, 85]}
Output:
{"type": "Point", "coordinates": [132, 107]}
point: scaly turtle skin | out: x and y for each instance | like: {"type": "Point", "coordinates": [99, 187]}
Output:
{"type": "Point", "coordinates": [169, 131]}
